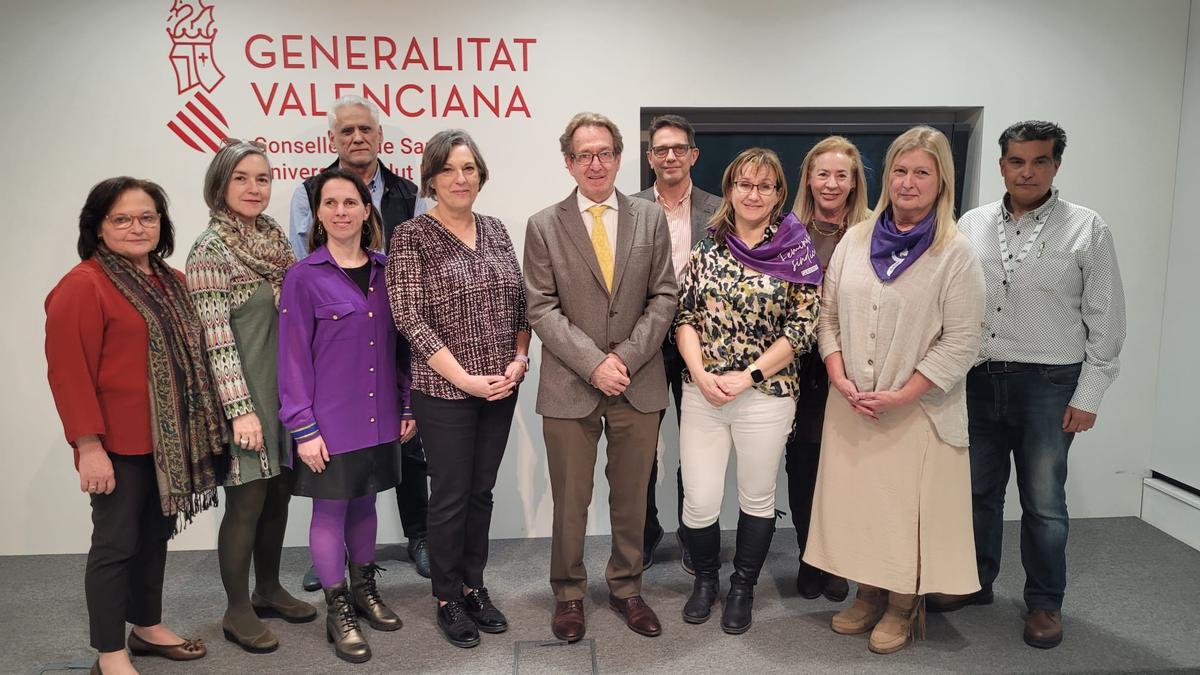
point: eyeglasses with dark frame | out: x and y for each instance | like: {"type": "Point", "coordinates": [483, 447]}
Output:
{"type": "Point", "coordinates": [606, 157]}
{"type": "Point", "coordinates": [745, 186]}
{"type": "Point", "coordinates": [660, 151]}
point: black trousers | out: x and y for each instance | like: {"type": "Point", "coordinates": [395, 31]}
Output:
{"type": "Point", "coordinates": [124, 576]}
{"type": "Point", "coordinates": [412, 494]}
{"type": "Point", "coordinates": [674, 365]}
{"type": "Point", "coordinates": [801, 460]}
{"type": "Point", "coordinates": [464, 441]}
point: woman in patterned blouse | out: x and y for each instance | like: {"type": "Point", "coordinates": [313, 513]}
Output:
{"type": "Point", "coordinates": [747, 307]}
{"type": "Point", "coordinates": [458, 295]}
{"type": "Point", "coordinates": [234, 272]}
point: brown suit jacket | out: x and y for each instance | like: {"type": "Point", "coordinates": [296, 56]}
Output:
{"type": "Point", "coordinates": [579, 321]}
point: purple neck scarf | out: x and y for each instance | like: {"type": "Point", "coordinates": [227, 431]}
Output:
{"type": "Point", "coordinates": [788, 255]}
{"type": "Point", "coordinates": [893, 251]}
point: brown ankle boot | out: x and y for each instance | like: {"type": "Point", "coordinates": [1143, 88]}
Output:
{"type": "Point", "coordinates": [903, 620]}
{"type": "Point", "coordinates": [869, 605]}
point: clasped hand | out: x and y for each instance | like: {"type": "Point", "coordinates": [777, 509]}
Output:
{"type": "Point", "coordinates": [495, 387]}
{"type": "Point", "coordinates": [872, 404]}
{"type": "Point", "coordinates": [611, 376]}
{"type": "Point", "coordinates": [721, 389]}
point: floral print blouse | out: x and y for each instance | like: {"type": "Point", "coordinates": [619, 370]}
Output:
{"type": "Point", "coordinates": [739, 313]}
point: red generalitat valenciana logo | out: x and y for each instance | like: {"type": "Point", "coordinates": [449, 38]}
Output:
{"type": "Point", "coordinates": [199, 123]}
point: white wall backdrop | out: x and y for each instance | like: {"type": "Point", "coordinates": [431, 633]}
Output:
{"type": "Point", "coordinates": [1176, 448]}
{"type": "Point", "coordinates": [90, 90]}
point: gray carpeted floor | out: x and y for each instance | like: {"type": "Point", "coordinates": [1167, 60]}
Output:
{"type": "Point", "coordinates": [1133, 605]}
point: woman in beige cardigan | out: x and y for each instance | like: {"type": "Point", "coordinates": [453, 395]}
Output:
{"type": "Point", "coordinates": [901, 310]}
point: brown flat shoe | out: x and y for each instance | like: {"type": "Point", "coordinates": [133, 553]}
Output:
{"type": "Point", "coordinates": [568, 624]}
{"type": "Point", "coordinates": [637, 614]}
{"type": "Point", "coordinates": [1043, 628]}
{"type": "Point", "coordinates": [188, 650]}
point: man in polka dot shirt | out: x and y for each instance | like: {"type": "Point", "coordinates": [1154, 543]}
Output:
{"type": "Point", "coordinates": [1052, 333]}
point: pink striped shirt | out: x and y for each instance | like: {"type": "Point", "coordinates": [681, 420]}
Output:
{"type": "Point", "coordinates": [679, 223]}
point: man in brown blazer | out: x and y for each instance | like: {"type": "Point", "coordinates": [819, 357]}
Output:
{"type": "Point", "coordinates": [601, 296]}
{"type": "Point", "coordinates": [671, 155]}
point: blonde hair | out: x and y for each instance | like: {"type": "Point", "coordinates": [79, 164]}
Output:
{"type": "Point", "coordinates": [856, 209]}
{"type": "Point", "coordinates": [752, 158]}
{"type": "Point", "coordinates": [933, 142]}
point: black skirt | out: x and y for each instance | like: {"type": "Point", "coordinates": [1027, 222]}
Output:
{"type": "Point", "coordinates": [354, 474]}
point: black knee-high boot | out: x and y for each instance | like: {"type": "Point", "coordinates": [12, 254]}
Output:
{"type": "Point", "coordinates": [704, 545]}
{"type": "Point", "coordinates": [753, 542]}
{"type": "Point", "coordinates": [270, 598]}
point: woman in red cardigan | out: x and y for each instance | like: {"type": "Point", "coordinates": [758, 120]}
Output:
{"type": "Point", "coordinates": [124, 348]}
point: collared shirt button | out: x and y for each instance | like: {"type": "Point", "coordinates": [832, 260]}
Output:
{"type": "Point", "coordinates": [371, 343]}
{"type": "Point", "coordinates": [370, 314]}
{"type": "Point", "coordinates": [371, 369]}
{"type": "Point", "coordinates": [870, 362]}
{"type": "Point", "coordinates": [335, 317]}
{"type": "Point", "coordinates": [372, 420]}
{"type": "Point", "coordinates": [874, 306]}
{"type": "Point", "coordinates": [283, 311]}
{"type": "Point", "coordinates": [370, 394]}
{"type": "Point", "coordinates": [872, 336]}
{"type": "Point", "coordinates": [370, 289]}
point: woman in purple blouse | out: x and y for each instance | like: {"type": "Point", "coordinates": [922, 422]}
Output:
{"type": "Point", "coordinates": [458, 295]}
{"type": "Point", "coordinates": [344, 398]}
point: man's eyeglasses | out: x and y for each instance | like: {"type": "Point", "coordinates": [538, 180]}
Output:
{"type": "Point", "coordinates": [660, 151]}
{"type": "Point", "coordinates": [585, 158]}
{"type": "Point", "coordinates": [123, 221]}
{"type": "Point", "coordinates": [745, 186]}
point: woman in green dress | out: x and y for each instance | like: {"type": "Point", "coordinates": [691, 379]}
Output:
{"type": "Point", "coordinates": [234, 272]}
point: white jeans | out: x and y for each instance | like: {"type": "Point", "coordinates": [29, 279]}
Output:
{"type": "Point", "coordinates": [757, 425]}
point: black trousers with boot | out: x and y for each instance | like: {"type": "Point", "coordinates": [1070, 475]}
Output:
{"type": "Point", "coordinates": [412, 494]}
{"type": "Point", "coordinates": [124, 576]}
{"type": "Point", "coordinates": [674, 366]}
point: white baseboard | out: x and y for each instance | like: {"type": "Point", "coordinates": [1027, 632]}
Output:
{"type": "Point", "coordinates": [1172, 510]}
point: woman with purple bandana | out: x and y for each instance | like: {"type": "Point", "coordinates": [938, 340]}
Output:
{"type": "Point", "coordinates": [901, 309]}
{"type": "Point", "coordinates": [344, 398]}
{"type": "Point", "coordinates": [747, 308]}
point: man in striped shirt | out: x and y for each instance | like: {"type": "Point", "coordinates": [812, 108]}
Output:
{"type": "Point", "coordinates": [671, 155]}
{"type": "Point", "coordinates": [1052, 333]}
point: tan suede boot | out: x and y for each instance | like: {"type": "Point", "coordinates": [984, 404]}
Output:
{"type": "Point", "coordinates": [903, 620]}
{"type": "Point", "coordinates": [869, 605]}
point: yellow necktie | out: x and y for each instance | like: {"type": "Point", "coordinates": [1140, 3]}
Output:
{"type": "Point", "coordinates": [604, 254]}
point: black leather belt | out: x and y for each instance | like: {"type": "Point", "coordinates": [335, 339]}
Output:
{"type": "Point", "coordinates": [1002, 367]}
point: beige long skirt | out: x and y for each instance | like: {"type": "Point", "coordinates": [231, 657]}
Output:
{"type": "Point", "coordinates": [892, 506]}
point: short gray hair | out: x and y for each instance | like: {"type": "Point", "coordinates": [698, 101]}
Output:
{"type": "Point", "coordinates": [216, 180]}
{"type": "Point", "coordinates": [589, 119]}
{"type": "Point", "coordinates": [438, 150]}
{"type": "Point", "coordinates": [351, 99]}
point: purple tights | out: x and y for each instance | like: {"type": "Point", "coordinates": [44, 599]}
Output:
{"type": "Point", "coordinates": [338, 526]}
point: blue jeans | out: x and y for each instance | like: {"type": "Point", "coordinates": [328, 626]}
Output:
{"type": "Point", "coordinates": [1021, 413]}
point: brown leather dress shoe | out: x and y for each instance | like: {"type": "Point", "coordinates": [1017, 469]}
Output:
{"type": "Point", "coordinates": [1043, 628]}
{"type": "Point", "coordinates": [188, 650]}
{"type": "Point", "coordinates": [637, 614]}
{"type": "Point", "coordinates": [568, 624]}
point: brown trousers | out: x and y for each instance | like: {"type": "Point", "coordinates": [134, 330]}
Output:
{"type": "Point", "coordinates": [571, 456]}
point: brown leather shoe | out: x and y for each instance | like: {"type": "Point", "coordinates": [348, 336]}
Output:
{"type": "Point", "coordinates": [188, 650]}
{"type": "Point", "coordinates": [944, 602]}
{"type": "Point", "coordinates": [1043, 628]}
{"type": "Point", "coordinates": [637, 614]}
{"type": "Point", "coordinates": [568, 624]}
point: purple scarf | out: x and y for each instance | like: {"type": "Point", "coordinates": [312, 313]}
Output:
{"type": "Point", "coordinates": [789, 255]}
{"type": "Point", "coordinates": [893, 251]}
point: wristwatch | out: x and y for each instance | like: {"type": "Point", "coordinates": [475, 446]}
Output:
{"type": "Point", "coordinates": [756, 374]}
